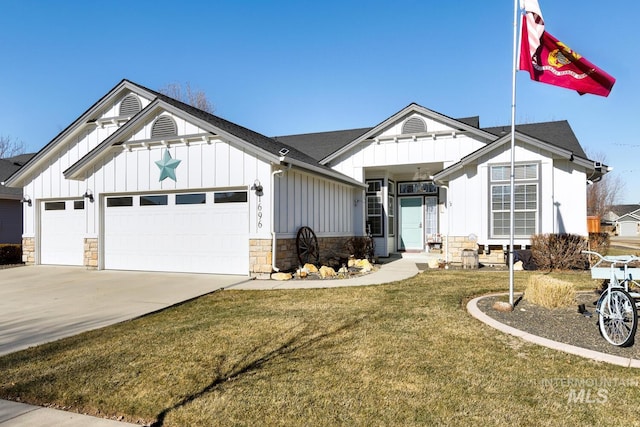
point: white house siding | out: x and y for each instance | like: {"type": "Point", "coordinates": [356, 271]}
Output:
{"type": "Point", "coordinates": [570, 215]}
{"type": "Point", "coordinates": [470, 187]}
{"type": "Point", "coordinates": [444, 150]}
{"type": "Point", "coordinates": [326, 206]}
{"type": "Point", "coordinates": [48, 181]}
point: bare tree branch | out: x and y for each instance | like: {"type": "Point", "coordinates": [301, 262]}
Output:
{"type": "Point", "coordinates": [10, 147]}
{"type": "Point", "coordinates": [605, 193]}
{"type": "Point", "coordinates": [195, 98]}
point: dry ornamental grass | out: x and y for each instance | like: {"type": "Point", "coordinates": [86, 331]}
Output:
{"type": "Point", "coordinates": [550, 292]}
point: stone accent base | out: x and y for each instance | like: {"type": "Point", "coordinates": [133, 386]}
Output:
{"type": "Point", "coordinates": [457, 244]}
{"type": "Point", "coordinates": [287, 252]}
{"type": "Point", "coordinates": [260, 256]}
{"type": "Point", "coordinates": [91, 253]}
{"type": "Point", "coordinates": [29, 250]}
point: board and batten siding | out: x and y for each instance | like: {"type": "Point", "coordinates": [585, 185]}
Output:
{"type": "Point", "coordinates": [326, 206]}
{"type": "Point", "coordinates": [445, 149]}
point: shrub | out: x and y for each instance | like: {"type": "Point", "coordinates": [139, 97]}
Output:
{"type": "Point", "coordinates": [550, 292]}
{"type": "Point", "coordinates": [559, 251]}
{"type": "Point", "coordinates": [361, 247]}
{"type": "Point", "coordinates": [599, 242]}
{"type": "Point", "coordinates": [10, 254]}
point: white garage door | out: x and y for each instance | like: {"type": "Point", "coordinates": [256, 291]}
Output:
{"type": "Point", "coordinates": [62, 232]}
{"type": "Point", "coordinates": [205, 232]}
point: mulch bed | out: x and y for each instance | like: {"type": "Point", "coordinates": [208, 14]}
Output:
{"type": "Point", "coordinates": [565, 325]}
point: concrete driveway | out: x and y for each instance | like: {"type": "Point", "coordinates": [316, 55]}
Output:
{"type": "Point", "coordinates": [39, 304]}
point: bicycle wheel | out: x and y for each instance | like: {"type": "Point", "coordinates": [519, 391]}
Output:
{"type": "Point", "coordinates": [617, 317]}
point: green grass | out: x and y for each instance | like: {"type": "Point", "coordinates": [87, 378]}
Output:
{"type": "Point", "coordinates": [400, 354]}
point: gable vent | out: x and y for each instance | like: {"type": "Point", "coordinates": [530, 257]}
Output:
{"type": "Point", "coordinates": [130, 106]}
{"type": "Point", "coordinates": [414, 125]}
{"type": "Point", "coordinates": [164, 126]}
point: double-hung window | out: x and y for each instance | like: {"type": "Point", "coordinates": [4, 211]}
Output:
{"type": "Point", "coordinates": [374, 207]}
{"type": "Point", "coordinates": [526, 200]}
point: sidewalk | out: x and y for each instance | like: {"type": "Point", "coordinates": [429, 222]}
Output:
{"type": "Point", "coordinates": [393, 269]}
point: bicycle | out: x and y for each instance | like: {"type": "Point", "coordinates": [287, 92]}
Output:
{"type": "Point", "coordinates": [618, 305]}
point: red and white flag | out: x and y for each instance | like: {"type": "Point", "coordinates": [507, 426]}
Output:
{"type": "Point", "coordinates": [550, 61]}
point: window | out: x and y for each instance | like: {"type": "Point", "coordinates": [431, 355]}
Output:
{"type": "Point", "coordinates": [230, 197]}
{"type": "Point", "coordinates": [54, 206]}
{"type": "Point", "coordinates": [374, 207]}
{"type": "Point", "coordinates": [153, 200]}
{"type": "Point", "coordinates": [191, 199]}
{"type": "Point", "coordinates": [525, 200]}
{"type": "Point", "coordinates": [78, 204]}
{"type": "Point", "coordinates": [422, 187]}
{"type": "Point", "coordinates": [164, 126]}
{"type": "Point", "coordinates": [391, 207]}
{"type": "Point", "coordinates": [113, 202]}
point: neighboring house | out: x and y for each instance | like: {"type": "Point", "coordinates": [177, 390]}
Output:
{"type": "Point", "coordinates": [141, 181]}
{"type": "Point", "coordinates": [11, 201]}
{"type": "Point", "coordinates": [625, 219]}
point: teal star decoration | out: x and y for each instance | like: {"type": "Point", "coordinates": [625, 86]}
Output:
{"type": "Point", "coordinates": [167, 166]}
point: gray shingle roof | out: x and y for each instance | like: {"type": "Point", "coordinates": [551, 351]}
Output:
{"type": "Point", "coordinates": [557, 133]}
{"type": "Point", "coordinates": [321, 144]}
{"type": "Point", "coordinates": [8, 167]}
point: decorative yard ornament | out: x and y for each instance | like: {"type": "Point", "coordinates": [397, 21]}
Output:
{"type": "Point", "coordinates": [167, 166]}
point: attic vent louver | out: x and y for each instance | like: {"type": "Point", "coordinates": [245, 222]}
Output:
{"type": "Point", "coordinates": [164, 126]}
{"type": "Point", "coordinates": [130, 106]}
{"type": "Point", "coordinates": [414, 125]}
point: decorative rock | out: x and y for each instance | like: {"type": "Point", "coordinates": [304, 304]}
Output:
{"type": "Point", "coordinates": [281, 276]}
{"type": "Point", "coordinates": [502, 306]}
{"type": "Point", "coordinates": [517, 266]}
{"type": "Point", "coordinates": [433, 263]}
{"type": "Point", "coordinates": [302, 273]}
{"type": "Point", "coordinates": [310, 268]}
{"type": "Point", "coordinates": [327, 272]}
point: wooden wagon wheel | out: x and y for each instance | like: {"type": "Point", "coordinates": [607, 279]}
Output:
{"type": "Point", "coordinates": [307, 244]}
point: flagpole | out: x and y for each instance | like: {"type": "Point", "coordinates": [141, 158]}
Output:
{"type": "Point", "coordinates": [513, 153]}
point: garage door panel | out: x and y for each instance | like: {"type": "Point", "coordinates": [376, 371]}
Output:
{"type": "Point", "coordinates": [199, 238]}
{"type": "Point", "coordinates": [62, 232]}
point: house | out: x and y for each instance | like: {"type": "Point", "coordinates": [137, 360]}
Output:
{"type": "Point", "coordinates": [141, 181]}
{"type": "Point", "coordinates": [11, 201]}
{"type": "Point", "coordinates": [625, 219]}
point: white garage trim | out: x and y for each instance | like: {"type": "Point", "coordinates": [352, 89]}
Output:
{"type": "Point", "coordinates": [62, 232]}
{"type": "Point", "coordinates": [200, 231]}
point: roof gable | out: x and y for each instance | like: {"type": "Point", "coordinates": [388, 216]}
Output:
{"type": "Point", "coordinates": [528, 140]}
{"type": "Point", "coordinates": [90, 117]}
{"type": "Point", "coordinates": [212, 126]}
{"type": "Point", "coordinates": [392, 126]}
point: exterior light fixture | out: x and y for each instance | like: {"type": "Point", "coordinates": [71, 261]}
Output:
{"type": "Point", "coordinates": [26, 199]}
{"type": "Point", "coordinates": [88, 195]}
{"type": "Point", "coordinates": [257, 187]}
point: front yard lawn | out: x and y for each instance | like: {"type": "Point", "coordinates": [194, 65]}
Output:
{"type": "Point", "coordinates": [400, 354]}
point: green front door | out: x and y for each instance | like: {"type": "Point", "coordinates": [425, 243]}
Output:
{"type": "Point", "coordinates": [411, 227]}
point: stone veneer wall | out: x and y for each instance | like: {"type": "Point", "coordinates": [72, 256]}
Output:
{"type": "Point", "coordinates": [287, 253]}
{"type": "Point", "coordinates": [29, 250]}
{"type": "Point", "coordinates": [457, 244]}
{"type": "Point", "coordinates": [260, 255]}
{"type": "Point", "coordinates": [91, 252]}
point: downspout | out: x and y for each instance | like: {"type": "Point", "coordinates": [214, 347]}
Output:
{"type": "Point", "coordinates": [273, 216]}
{"type": "Point", "coordinates": [446, 236]}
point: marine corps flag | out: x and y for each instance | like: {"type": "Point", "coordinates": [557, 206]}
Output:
{"type": "Point", "coordinates": [550, 61]}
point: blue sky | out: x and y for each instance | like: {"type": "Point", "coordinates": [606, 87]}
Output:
{"type": "Point", "coordinates": [286, 67]}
